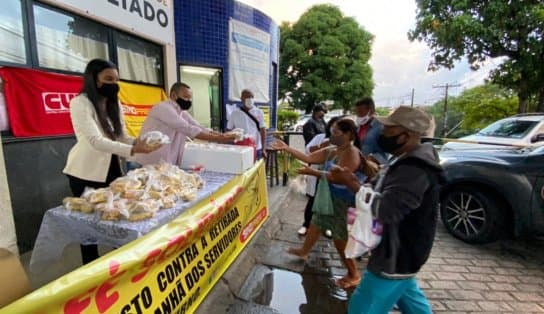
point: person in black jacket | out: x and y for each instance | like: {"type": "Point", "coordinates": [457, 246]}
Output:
{"type": "Point", "coordinates": [407, 210]}
{"type": "Point", "coordinates": [315, 125]}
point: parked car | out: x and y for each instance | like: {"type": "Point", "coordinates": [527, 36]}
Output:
{"type": "Point", "coordinates": [493, 193]}
{"type": "Point", "coordinates": [297, 127]}
{"type": "Point", "coordinates": [521, 129]}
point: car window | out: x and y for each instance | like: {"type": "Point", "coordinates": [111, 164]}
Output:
{"type": "Point", "coordinates": [540, 129]}
{"type": "Point", "coordinates": [509, 128]}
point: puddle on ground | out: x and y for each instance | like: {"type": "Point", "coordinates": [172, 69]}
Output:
{"type": "Point", "coordinates": [289, 292]}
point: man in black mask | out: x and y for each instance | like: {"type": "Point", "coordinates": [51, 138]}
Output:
{"type": "Point", "coordinates": [172, 118]}
{"type": "Point", "coordinates": [407, 210]}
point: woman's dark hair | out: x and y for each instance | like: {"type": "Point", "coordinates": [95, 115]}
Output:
{"type": "Point", "coordinates": [329, 125]}
{"type": "Point", "coordinates": [346, 125]}
{"type": "Point", "coordinates": [90, 77]}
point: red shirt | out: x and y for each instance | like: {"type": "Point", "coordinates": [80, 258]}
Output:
{"type": "Point", "coordinates": [362, 131]}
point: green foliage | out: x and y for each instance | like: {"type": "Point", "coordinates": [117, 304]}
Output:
{"type": "Point", "coordinates": [286, 117]}
{"type": "Point", "coordinates": [382, 111]}
{"type": "Point", "coordinates": [324, 56]}
{"type": "Point", "coordinates": [474, 109]}
{"type": "Point", "coordinates": [485, 104]}
{"type": "Point", "coordinates": [479, 30]}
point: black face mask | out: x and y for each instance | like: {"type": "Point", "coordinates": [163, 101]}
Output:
{"type": "Point", "coordinates": [109, 90]}
{"type": "Point", "coordinates": [184, 104]}
{"type": "Point", "coordinates": [337, 140]}
{"type": "Point", "coordinates": [389, 143]}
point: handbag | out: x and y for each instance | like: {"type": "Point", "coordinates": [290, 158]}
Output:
{"type": "Point", "coordinates": [365, 233]}
{"type": "Point", "coordinates": [322, 199]}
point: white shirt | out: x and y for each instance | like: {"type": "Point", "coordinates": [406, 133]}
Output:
{"type": "Point", "coordinates": [312, 180]}
{"type": "Point", "coordinates": [239, 119]}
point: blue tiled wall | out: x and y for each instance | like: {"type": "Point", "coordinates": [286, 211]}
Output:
{"type": "Point", "coordinates": [202, 28]}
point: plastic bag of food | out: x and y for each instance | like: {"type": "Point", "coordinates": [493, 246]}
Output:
{"type": "Point", "coordinates": [135, 194]}
{"type": "Point", "coordinates": [123, 184]}
{"type": "Point", "coordinates": [113, 209]}
{"type": "Point", "coordinates": [365, 232]}
{"type": "Point", "coordinates": [155, 138]}
{"type": "Point", "coordinates": [98, 196]}
{"type": "Point", "coordinates": [239, 133]}
{"type": "Point", "coordinates": [143, 209]}
{"type": "Point", "coordinates": [77, 204]}
{"type": "Point", "coordinates": [168, 200]}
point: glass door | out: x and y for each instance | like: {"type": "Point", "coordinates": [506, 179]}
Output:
{"type": "Point", "coordinates": [206, 86]}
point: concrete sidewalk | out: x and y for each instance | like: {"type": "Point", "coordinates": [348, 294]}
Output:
{"type": "Point", "coordinates": [245, 288]}
{"type": "Point", "coordinates": [501, 277]}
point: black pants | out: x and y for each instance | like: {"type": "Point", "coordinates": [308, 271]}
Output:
{"type": "Point", "coordinates": [90, 252]}
{"type": "Point", "coordinates": [308, 211]}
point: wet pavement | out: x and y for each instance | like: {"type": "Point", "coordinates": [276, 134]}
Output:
{"type": "Point", "coordinates": [503, 277]}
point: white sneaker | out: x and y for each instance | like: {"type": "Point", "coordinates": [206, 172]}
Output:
{"type": "Point", "coordinates": [328, 233]}
{"type": "Point", "coordinates": [302, 231]}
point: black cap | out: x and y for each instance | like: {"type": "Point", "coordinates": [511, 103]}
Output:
{"type": "Point", "coordinates": [319, 107]}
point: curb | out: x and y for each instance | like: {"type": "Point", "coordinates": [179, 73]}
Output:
{"type": "Point", "coordinates": [226, 290]}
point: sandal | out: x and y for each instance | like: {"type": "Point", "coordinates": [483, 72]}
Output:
{"type": "Point", "coordinates": [347, 284]}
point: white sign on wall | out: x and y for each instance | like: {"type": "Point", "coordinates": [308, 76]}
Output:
{"type": "Point", "coordinates": [249, 61]}
{"type": "Point", "coordinates": [150, 18]}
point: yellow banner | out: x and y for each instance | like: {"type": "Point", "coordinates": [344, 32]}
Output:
{"type": "Point", "coordinates": [266, 113]}
{"type": "Point", "coordinates": [169, 270]}
{"type": "Point", "coordinates": [137, 100]}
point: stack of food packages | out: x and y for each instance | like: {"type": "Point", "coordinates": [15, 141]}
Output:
{"type": "Point", "coordinates": [139, 194]}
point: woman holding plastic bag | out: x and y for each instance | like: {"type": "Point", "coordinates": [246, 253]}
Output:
{"type": "Point", "coordinates": [101, 138]}
{"type": "Point", "coordinates": [331, 200]}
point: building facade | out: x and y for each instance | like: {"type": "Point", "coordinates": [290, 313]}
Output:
{"type": "Point", "coordinates": [222, 47]}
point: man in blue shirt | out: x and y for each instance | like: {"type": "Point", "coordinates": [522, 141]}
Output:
{"type": "Point", "coordinates": [368, 129]}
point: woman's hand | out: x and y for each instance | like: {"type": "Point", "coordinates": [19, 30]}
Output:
{"type": "Point", "coordinates": [279, 145]}
{"type": "Point", "coordinates": [369, 166]}
{"type": "Point", "coordinates": [306, 170]}
{"type": "Point", "coordinates": [141, 147]}
{"type": "Point", "coordinates": [342, 175]}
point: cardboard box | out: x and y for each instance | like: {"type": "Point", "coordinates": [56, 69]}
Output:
{"type": "Point", "coordinates": [218, 157]}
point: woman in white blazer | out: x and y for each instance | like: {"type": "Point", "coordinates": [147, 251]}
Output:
{"type": "Point", "coordinates": [101, 139]}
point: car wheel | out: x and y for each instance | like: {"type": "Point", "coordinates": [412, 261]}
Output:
{"type": "Point", "coordinates": [472, 215]}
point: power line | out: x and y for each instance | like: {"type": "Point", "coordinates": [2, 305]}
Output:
{"type": "Point", "coordinates": [446, 87]}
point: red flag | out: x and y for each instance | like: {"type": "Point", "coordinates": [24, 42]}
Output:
{"type": "Point", "coordinates": [38, 102]}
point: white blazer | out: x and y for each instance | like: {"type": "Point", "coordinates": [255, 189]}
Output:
{"type": "Point", "coordinates": [90, 157]}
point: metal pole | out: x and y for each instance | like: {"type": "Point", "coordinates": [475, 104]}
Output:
{"type": "Point", "coordinates": [412, 103]}
{"type": "Point", "coordinates": [445, 121]}
{"type": "Point", "coordinates": [445, 126]}
{"type": "Point", "coordinates": [286, 158]}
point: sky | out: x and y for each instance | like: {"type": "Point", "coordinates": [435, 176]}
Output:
{"type": "Point", "coordinates": [398, 64]}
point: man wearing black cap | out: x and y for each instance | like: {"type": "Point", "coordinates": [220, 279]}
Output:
{"type": "Point", "coordinates": [315, 125]}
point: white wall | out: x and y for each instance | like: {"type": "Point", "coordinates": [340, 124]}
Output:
{"type": "Point", "coordinates": [8, 238]}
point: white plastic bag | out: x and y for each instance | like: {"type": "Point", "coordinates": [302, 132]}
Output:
{"type": "Point", "coordinates": [155, 138]}
{"type": "Point", "coordinates": [366, 232]}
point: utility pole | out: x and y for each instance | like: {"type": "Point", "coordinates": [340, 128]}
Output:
{"type": "Point", "coordinates": [412, 103]}
{"type": "Point", "coordinates": [446, 87]}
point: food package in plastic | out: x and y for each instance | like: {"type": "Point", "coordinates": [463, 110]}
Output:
{"type": "Point", "coordinates": [155, 138]}
{"type": "Point", "coordinates": [77, 204]}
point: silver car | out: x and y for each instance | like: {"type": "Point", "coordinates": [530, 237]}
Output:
{"type": "Point", "coordinates": [521, 130]}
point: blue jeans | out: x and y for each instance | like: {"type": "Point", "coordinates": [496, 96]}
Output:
{"type": "Point", "coordinates": [377, 295]}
